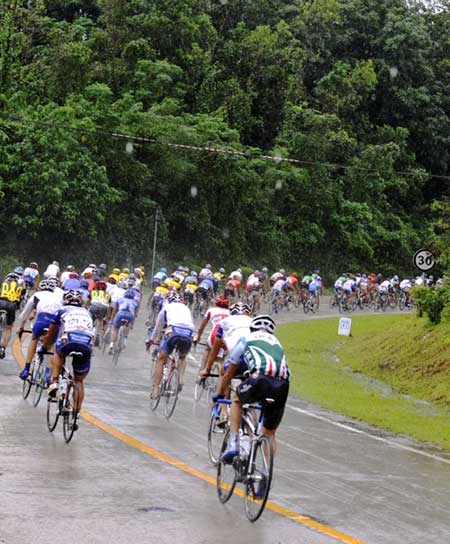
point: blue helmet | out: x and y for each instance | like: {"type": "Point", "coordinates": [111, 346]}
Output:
{"type": "Point", "coordinates": [84, 284]}
{"type": "Point", "coordinates": [19, 270]}
{"type": "Point", "coordinates": [163, 270]}
{"type": "Point", "coordinates": [129, 293]}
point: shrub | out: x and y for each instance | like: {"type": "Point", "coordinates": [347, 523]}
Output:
{"type": "Point", "coordinates": [434, 302]}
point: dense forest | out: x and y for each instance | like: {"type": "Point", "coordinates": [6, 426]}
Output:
{"type": "Point", "coordinates": [357, 92]}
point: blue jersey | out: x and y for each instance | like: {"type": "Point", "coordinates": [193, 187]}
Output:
{"type": "Point", "coordinates": [190, 279]}
{"type": "Point", "coordinates": [207, 284]}
{"type": "Point", "coordinates": [126, 305]}
{"type": "Point", "coordinates": [71, 283]}
{"type": "Point", "coordinates": [160, 276]}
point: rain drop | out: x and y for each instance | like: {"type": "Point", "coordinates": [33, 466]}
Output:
{"type": "Point", "coordinates": [226, 233]}
{"type": "Point", "coordinates": [129, 148]}
{"type": "Point", "coordinates": [194, 191]}
{"type": "Point", "coordinates": [393, 72]}
{"type": "Point", "coordinates": [278, 185]}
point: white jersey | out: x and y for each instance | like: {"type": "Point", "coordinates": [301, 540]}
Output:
{"type": "Point", "coordinates": [76, 319]}
{"type": "Point", "coordinates": [279, 284]}
{"type": "Point", "coordinates": [31, 272]}
{"type": "Point", "coordinates": [43, 302]}
{"type": "Point", "coordinates": [275, 277]}
{"type": "Point", "coordinates": [384, 287]}
{"type": "Point", "coordinates": [115, 292]}
{"type": "Point", "coordinates": [216, 314]}
{"type": "Point", "coordinates": [236, 275]}
{"type": "Point", "coordinates": [173, 314]}
{"type": "Point", "coordinates": [252, 282]}
{"type": "Point", "coordinates": [233, 328]}
{"type": "Point", "coordinates": [205, 272]}
{"type": "Point", "coordinates": [52, 270]}
{"type": "Point", "coordinates": [405, 284]}
{"type": "Point", "coordinates": [65, 276]}
{"type": "Point", "coordinates": [348, 285]}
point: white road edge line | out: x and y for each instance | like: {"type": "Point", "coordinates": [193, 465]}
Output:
{"type": "Point", "coordinates": [379, 438]}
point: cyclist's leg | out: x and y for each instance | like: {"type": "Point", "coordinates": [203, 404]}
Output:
{"type": "Point", "coordinates": [56, 365]}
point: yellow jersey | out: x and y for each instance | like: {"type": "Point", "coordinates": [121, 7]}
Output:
{"type": "Point", "coordinates": [11, 291]}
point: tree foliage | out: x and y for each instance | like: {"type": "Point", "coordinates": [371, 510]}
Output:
{"type": "Point", "coordinates": [357, 91]}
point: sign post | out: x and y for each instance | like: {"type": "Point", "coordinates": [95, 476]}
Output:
{"type": "Point", "coordinates": [345, 326]}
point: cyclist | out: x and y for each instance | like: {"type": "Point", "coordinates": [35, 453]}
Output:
{"type": "Point", "coordinates": [176, 318]}
{"type": "Point", "coordinates": [218, 277]}
{"type": "Point", "coordinates": [115, 274]}
{"type": "Point", "coordinates": [124, 308]}
{"type": "Point", "coordinates": [253, 288]}
{"type": "Point", "coordinates": [206, 288]}
{"type": "Point", "coordinates": [232, 288]}
{"type": "Point", "coordinates": [31, 276]}
{"type": "Point", "coordinates": [205, 272]}
{"type": "Point", "coordinates": [71, 282]}
{"type": "Point", "coordinates": [11, 295]}
{"type": "Point", "coordinates": [70, 269]}
{"type": "Point", "coordinates": [269, 377]}
{"type": "Point", "coordinates": [281, 274]}
{"type": "Point", "coordinates": [52, 270]}
{"type": "Point", "coordinates": [405, 287]}
{"type": "Point", "coordinates": [190, 287]}
{"type": "Point", "coordinates": [265, 280]}
{"type": "Point", "coordinates": [76, 332]}
{"type": "Point", "coordinates": [100, 272]}
{"type": "Point", "coordinates": [46, 303]}
{"type": "Point", "coordinates": [159, 277]}
{"type": "Point", "coordinates": [213, 316]}
{"type": "Point", "coordinates": [98, 304]}
{"type": "Point", "coordinates": [125, 272]}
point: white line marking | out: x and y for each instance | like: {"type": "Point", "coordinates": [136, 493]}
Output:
{"type": "Point", "coordinates": [379, 438]}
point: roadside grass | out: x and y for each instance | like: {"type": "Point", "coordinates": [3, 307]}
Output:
{"type": "Point", "coordinates": [393, 372]}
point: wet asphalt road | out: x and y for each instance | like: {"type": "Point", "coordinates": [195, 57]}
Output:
{"type": "Point", "coordinates": [131, 476]}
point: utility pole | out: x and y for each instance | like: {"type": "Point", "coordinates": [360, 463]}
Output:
{"type": "Point", "coordinates": [154, 244]}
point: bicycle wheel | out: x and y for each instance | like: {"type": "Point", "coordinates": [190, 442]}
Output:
{"type": "Point", "coordinates": [307, 306]}
{"type": "Point", "coordinates": [28, 382]}
{"type": "Point", "coordinates": [171, 392]}
{"type": "Point", "coordinates": [118, 348]}
{"type": "Point", "coordinates": [38, 379]}
{"type": "Point", "coordinates": [315, 305]}
{"type": "Point", "coordinates": [155, 401]}
{"type": "Point", "coordinates": [199, 387]}
{"type": "Point", "coordinates": [53, 405]}
{"type": "Point", "coordinates": [70, 411]}
{"type": "Point", "coordinates": [106, 339]}
{"type": "Point", "coordinates": [226, 474]}
{"type": "Point", "coordinates": [259, 478]}
{"type": "Point", "coordinates": [215, 434]}
{"type": "Point", "coordinates": [211, 381]}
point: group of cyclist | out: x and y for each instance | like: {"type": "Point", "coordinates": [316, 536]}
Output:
{"type": "Point", "coordinates": [68, 309]}
{"type": "Point", "coordinates": [364, 289]}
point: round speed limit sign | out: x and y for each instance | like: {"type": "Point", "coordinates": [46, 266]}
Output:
{"type": "Point", "coordinates": [423, 260]}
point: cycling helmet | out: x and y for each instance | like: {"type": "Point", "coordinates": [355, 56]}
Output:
{"type": "Point", "coordinates": [239, 309]}
{"type": "Point", "coordinates": [34, 265]}
{"type": "Point", "coordinates": [294, 275]}
{"type": "Point", "coordinates": [193, 273]}
{"type": "Point", "coordinates": [131, 283]}
{"type": "Point", "coordinates": [70, 268]}
{"type": "Point", "coordinates": [19, 270]}
{"type": "Point", "coordinates": [163, 270]}
{"type": "Point", "coordinates": [222, 302]}
{"type": "Point", "coordinates": [53, 282]}
{"type": "Point", "coordinates": [116, 271]}
{"type": "Point", "coordinates": [73, 276]}
{"type": "Point", "coordinates": [46, 285]}
{"type": "Point", "coordinates": [173, 297]}
{"type": "Point", "coordinates": [102, 266]}
{"type": "Point", "coordinates": [92, 266]}
{"type": "Point", "coordinates": [73, 297]}
{"type": "Point", "coordinates": [208, 266]}
{"type": "Point", "coordinates": [101, 285]}
{"type": "Point", "coordinates": [129, 293]}
{"type": "Point", "coordinates": [112, 280]}
{"type": "Point", "coordinates": [122, 284]}
{"type": "Point", "coordinates": [12, 276]}
{"type": "Point", "coordinates": [263, 323]}
{"type": "Point", "coordinates": [56, 263]}
{"type": "Point", "coordinates": [84, 284]}
{"type": "Point", "coordinates": [264, 269]}
{"type": "Point", "coordinates": [222, 270]}
{"type": "Point", "coordinates": [239, 270]}
{"type": "Point", "coordinates": [125, 270]}
{"type": "Point", "coordinates": [257, 273]}
{"type": "Point", "coordinates": [282, 271]}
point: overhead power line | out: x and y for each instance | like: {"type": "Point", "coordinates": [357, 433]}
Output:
{"type": "Point", "coordinates": [207, 149]}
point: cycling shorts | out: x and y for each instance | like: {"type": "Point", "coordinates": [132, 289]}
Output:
{"type": "Point", "coordinates": [202, 292]}
{"type": "Point", "coordinates": [42, 323]}
{"type": "Point", "coordinates": [313, 291]}
{"type": "Point", "coordinates": [257, 389]}
{"type": "Point", "coordinates": [177, 337]}
{"type": "Point", "coordinates": [10, 308]}
{"type": "Point", "coordinates": [123, 314]}
{"type": "Point", "coordinates": [155, 283]}
{"type": "Point", "coordinates": [80, 343]}
{"type": "Point", "coordinates": [98, 311]}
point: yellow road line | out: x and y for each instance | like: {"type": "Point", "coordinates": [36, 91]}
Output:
{"type": "Point", "coordinates": [303, 520]}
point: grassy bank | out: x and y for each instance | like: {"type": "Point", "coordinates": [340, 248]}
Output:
{"type": "Point", "coordinates": [394, 372]}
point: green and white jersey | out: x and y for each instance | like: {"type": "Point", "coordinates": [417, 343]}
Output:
{"type": "Point", "coordinates": [263, 354]}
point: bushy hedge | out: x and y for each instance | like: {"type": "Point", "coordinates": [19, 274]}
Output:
{"type": "Point", "coordinates": [434, 302]}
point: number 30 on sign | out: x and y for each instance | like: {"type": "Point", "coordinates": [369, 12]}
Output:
{"type": "Point", "coordinates": [423, 260]}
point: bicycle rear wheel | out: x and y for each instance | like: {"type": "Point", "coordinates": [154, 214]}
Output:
{"type": "Point", "coordinates": [259, 478]}
{"type": "Point", "coordinates": [38, 378]}
{"type": "Point", "coordinates": [216, 434]}
{"type": "Point", "coordinates": [171, 392]}
{"type": "Point", "coordinates": [53, 405]}
{"type": "Point", "coordinates": [199, 386]}
{"type": "Point", "coordinates": [70, 411]}
{"type": "Point", "coordinates": [106, 338]}
{"type": "Point", "coordinates": [118, 348]}
{"type": "Point", "coordinates": [226, 474]}
{"type": "Point", "coordinates": [28, 382]}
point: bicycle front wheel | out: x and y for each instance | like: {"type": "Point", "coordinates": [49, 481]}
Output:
{"type": "Point", "coordinates": [118, 349]}
{"type": "Point", "coordinates": [28, 382]}
{"type": "Point", "coordinates": [226, 474]}
{"type": "Point", "coordinates": [38, 379]}
{"type": "Point", "coordinates": [171, 392]}
{"type": "Point", "coordinates": [52, 413]}
{"type": "Point", "coordinates": [259, 478]}
{"type": "Point", "coordinates": [70, 411]}
{"type": "Point", "coordinates": [199, 386]}
{"type": "Point", "coordinates": [216, 432]}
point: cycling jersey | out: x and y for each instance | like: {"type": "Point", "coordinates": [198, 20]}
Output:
{"type": "Point", "coordinates": [99, 296]}
{"type": "Point", "coordinates": [12, 290]}
{"type": "Point", "coordinates": [232, 328]}
{"type": "Point", "coordinates": [126, 305]}
{"type": "Point", "coordinates": [174, 314]}
{"type": "Point", "coordinates": [206, 284]}
{"type": "Point", "coordinates": [279, 285]}
{"type": "Point", "coordinates": [75, 319]}
{"type": "Point", "coordinates": [263, 354]}
{"type": "Point", "coordinates": [253, 283]}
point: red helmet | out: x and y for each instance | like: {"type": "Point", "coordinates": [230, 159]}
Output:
{"type": "Point", "coordinates": [73, 276]}
{"type": "Point", "coordinates": [101, 285]}
{"type": "Point", "coordinates": [222, 302]}
{"type": "Point", "coordinates": [112, 280]}
{"type": "Point", "coordinates": [294, 275]}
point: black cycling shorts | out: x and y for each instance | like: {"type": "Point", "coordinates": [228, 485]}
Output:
{"type": "Point", "coordinates": [262, 387]}
{"type": "Point", "coordinates": [10, 308]}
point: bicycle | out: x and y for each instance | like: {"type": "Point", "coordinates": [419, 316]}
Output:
{"type": "Point", "coordinates": [39, 376]}
{"type": "Point", "coordinates": [106, 339]}
{"type": "Point", "coordinates": [65, 404]}
{"type": "Point", "coordinates": [169, 386]}
{"type": "Point", "coordinates": [311, 304]}
{"type": "Point", "coordinates": [120, 342]}
{"type": "Point", "coordinates": [253, 466]}
{"type": "Point", "coordinates": [3, 317]}
{"type": "Point", "coordinates": [208, 384]}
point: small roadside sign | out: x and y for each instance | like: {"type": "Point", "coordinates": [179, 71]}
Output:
{"type": "Point", "coordinates": [345, 326]}
{"type": "Point", "coordinates": [424, 260]}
